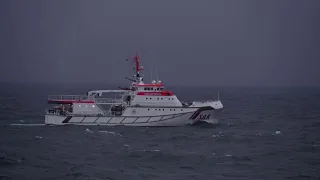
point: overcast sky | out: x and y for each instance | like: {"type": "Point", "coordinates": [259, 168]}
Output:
{"type": "Point", "coordinates": [195, 42]}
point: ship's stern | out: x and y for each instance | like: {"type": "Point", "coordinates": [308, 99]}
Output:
{"type": "Point", "coordinates": [54, 119]}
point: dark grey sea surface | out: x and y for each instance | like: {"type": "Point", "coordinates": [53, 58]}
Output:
{"type": "Point", "coordinates": [243, 146]}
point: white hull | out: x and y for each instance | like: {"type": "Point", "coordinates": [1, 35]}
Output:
{"type": "Point", "coordinates": [139, 105]}
{"type": "Point", "coordinates": [179, 119]}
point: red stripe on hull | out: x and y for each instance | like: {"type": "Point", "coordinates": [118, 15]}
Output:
{"type": "Point", "coordinates": [148, 85]}
{"type": "Point", "coordinates": [162, 93]}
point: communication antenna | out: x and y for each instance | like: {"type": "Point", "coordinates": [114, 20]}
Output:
{"type": "Point", "coordinates": [157, 74]}
{"type": "Point", "coordinates": [156, 70]}
{"type": "Point", "coordinates": [150, 69]}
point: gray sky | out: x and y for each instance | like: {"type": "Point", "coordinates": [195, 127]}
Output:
{"type": "Point", "coordinates": [205, 42]}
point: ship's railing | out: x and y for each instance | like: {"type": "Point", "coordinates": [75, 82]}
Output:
{"type": "Point", "coordinates": [206, 101]}
{"type": "Point", "coordinates": [108, 101]}
{"type": "Point", "coordinates": [68, 97]}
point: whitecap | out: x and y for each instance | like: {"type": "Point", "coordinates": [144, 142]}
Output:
{"type": "Point", "coordinates": [110, 132]}
{"type": "Point", "coordinates": [126, 145]}
{"type": "Point", "coordinates": [39, 137]}
{"type": "Point", "coordinates": [155, 150]}
{"type": "Point", "coordinates": [88, 130]}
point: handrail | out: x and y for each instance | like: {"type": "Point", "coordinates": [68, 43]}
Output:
{"type": "Point", "coordinates": [68, 97]}
{"type": "Point", "coordinates": [108, 101]}
{"type": "Point", "coordinates": [81, 98]}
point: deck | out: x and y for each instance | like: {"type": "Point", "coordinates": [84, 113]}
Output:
{"type": "Point", "coordinates": [70, 99]}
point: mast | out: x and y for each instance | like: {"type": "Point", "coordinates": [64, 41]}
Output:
{"type": "Point", "coordinates": [138, 68]}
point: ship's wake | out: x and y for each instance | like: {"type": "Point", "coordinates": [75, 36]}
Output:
{"type": "Point", "coordinates": [28, 124]}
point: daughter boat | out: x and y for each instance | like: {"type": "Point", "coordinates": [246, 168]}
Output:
{"type": "Point", "coordinates": [140, 105]}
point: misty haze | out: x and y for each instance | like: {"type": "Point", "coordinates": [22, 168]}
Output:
{"type": "Point", "coordinates": [215, 43]}
{"type": "Point", "coordinates": [237, 92]}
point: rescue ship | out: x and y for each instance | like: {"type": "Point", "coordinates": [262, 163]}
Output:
{"type": "Point", "coordinates": [141, 104]}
